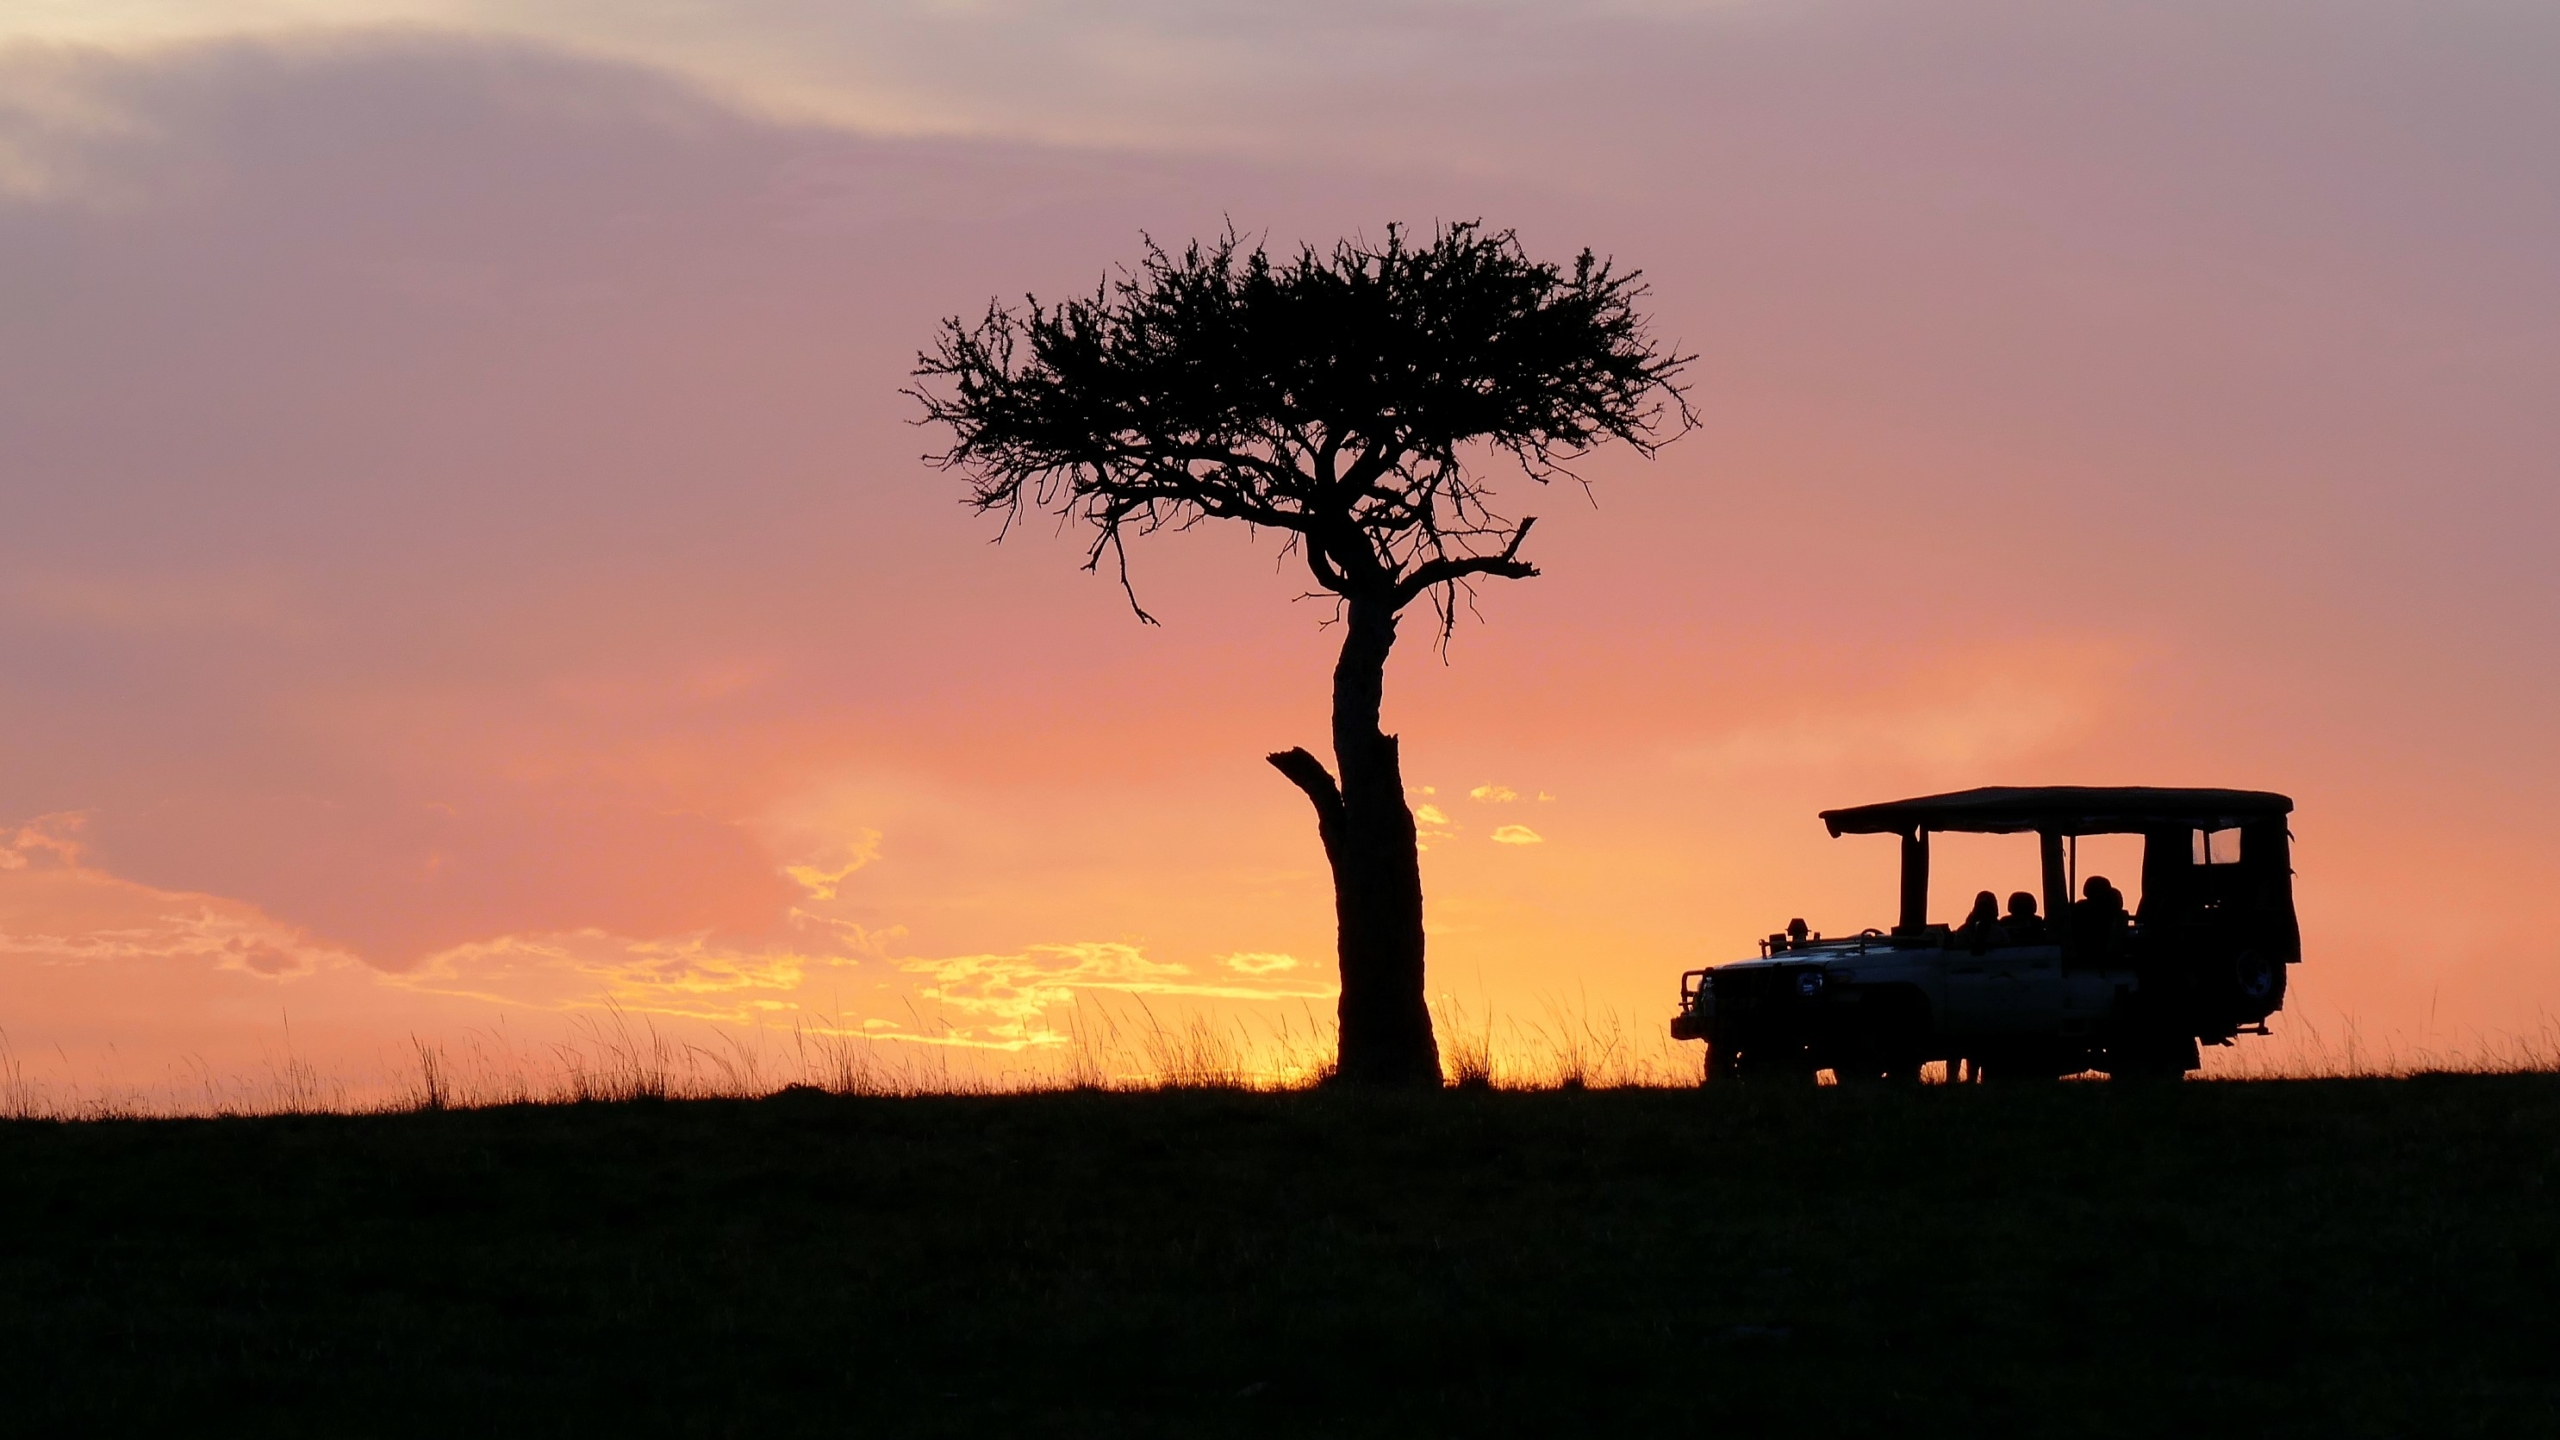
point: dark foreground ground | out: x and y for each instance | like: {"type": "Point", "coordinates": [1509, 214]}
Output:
{"type": "Point", "coordinates": [2322, 1258]}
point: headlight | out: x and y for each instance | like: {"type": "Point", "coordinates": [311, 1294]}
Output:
{"type": "Point", "coordinates": [1809, 983]}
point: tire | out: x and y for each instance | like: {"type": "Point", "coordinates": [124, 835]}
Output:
{"type": "Point", "coordinates": [1787, 1067]}
{"type": "Point", "coordinates": [2257, 979]}
{"type": "Point", "coordinates": [1723, 1064]}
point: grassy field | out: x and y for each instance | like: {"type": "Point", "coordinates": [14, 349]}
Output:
{"type": "Point", "coordinates": [2328, 1258]}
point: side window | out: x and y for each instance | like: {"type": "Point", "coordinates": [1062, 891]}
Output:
{"type": "Point", "coordinates": [2216, 847]}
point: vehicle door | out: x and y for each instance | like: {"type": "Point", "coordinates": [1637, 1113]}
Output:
{"type": "Point", "coordinates": [2010, 990]}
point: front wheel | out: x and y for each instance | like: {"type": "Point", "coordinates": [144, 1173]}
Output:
{"type": "Point", "coordinates": [1787, 1067]}
{"type": "Point", "coordinates": [1781, 1066]}
{"type": "Point", "coordinates": [1723, 1063]}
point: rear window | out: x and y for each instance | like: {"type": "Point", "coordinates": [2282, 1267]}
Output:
{"type": "Point", "coordinates": [2217, 847]}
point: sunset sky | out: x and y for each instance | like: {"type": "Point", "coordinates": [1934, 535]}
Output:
{"type": "Point", "coordinates": [467, 560]}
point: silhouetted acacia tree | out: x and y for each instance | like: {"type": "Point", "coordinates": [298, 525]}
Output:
{"type": "Point", "coordinates": [1351, 400]}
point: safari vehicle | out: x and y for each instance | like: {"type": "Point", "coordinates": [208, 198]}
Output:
{"type": "Point", "coordinates": [2082, 986]}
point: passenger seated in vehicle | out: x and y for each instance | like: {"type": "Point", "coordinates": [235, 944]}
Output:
{"type": "Point", "coordinates": [2025, 926]}
{"type": "Point", "coordinates": [1981, 929]}
{"type": "Point", "coordinates": [2098, 918]}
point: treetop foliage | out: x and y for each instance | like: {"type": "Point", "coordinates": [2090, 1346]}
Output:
{"type": "Point", "coordinates": [1336, 396]}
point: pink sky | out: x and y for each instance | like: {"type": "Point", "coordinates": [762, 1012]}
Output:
{"type": "Point", "coordinates": [467, 557]}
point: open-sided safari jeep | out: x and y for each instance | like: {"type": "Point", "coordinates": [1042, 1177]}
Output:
{"type": "Point", "coordinates": [2082, 985]}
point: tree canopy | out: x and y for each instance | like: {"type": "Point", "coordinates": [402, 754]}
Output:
{"type": "Point", "coordinates": [1337, 396]}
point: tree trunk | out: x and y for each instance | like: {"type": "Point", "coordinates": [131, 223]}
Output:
{"type": "Point", "coordinates": [1377, 871]}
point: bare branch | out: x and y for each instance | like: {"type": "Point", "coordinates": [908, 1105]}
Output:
{"type": "Point", "coordinates": [1308, 773]}
{"type": "Point", "coordinates": [1451, 569]}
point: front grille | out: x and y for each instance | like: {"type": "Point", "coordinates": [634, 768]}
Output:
{"type": "Point", "coordinates": [1737, 989]}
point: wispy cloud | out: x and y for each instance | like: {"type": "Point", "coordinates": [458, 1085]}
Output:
{"type": "Point", "coordinates": [1430, 824]}
{"type": "Point", "coordinates": [57, 909]}
{"type": "Point", "coordinates": [821, 875]}
{"type": "Point", "coordinates": [1000, 1001]}
{"type": "Point", "coordinates": [692, 976]}
{"type": "Point", "coordinates": [1010, 1000]}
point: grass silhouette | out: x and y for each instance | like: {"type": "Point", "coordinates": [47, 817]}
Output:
{"type": "Point", "coordinates": [611, 1054]}
{"type": "Point", "coordinates": [2331, 1257]}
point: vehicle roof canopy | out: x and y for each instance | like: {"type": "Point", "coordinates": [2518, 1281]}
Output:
{"type": "Point", "coordinates": [2063, 809]}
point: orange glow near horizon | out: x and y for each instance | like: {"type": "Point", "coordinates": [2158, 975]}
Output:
{"type": "Point", "coordinates": [471, 582]}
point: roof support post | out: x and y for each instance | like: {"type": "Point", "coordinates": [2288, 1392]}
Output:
{"type": "Point", "coordinates": [1915, 880]}
{"type": "Point", "coordinates": [2057, 877]}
